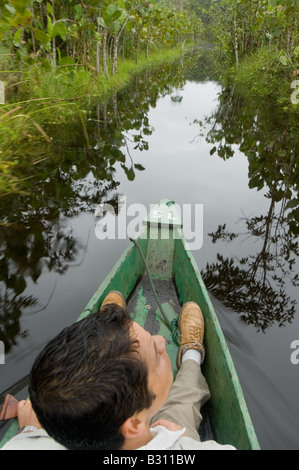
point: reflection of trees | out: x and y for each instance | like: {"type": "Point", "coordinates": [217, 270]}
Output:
{"type": "Point", "coordinates": [259, 305]}
{"type": "Point", "coordinates": [255, 286]}
{"type": "Point", "coordinates": [12, 303]}
{"type": "Point", "coordinates": [270, 140]}
{"type": "Point", "coordinates": [204, 70]}
{"type": "Point", "coordinates": [72, 175]}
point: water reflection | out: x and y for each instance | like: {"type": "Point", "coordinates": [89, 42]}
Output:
{"type": "Point", "coordinates": [43, 232]}
{"type": "Point", "coordinates": [74, 174]}
{"type": "Point", "coordinates": [254, 286]}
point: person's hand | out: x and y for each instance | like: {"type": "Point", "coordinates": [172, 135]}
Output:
{"type": "Point", "coordinates": [26, 415]}
{"type": "Point", "coordinates": [168, 425]}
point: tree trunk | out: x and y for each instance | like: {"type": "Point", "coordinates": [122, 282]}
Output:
{"type": "Point", "coordinates": [98, 51]}
{"type": "Point", "coordinates": [115, 55]}
{"type": "Point", "coordinates": [124, 45]}
{"type": "Point", "coordinates": [54, 39]}
{"type": "Point", "coordinates": [137, 46]}
{"type": "Point", "coordinates": [54, 52]}
{"type": "Point", "coordinates": [105, 52]}
{"type": "Point", "coordinates": [148, 39]}
{"type": "Point", "coordinates": [105, 119]}
{"type": "Point", "coordinates": [236, 40]}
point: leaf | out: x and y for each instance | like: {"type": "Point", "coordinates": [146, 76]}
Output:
{"type": "Point", "coordinates": [10, 8]}
{"type": "Point", "coordinates": [17, 38]}
{"type": "Point", "coordinates": [18, 283]}
{"type": "Point", "coordinates": [101, 22]}
{"type": "Point", "coordinates": [283, 60]}
{"type": "Point", "coordinates": [59, 29]}
{"type": "Point", "coordinates": [41, 36]}
{"type": "Point", "coordinates": [49, 26]}
{"type": "Point", "coordinates": [111, 13]}
{"type": "Point", "coordinates": [129, 172]}
{"type": "Point", "coordinates": [139, 167]}
{"type": "Point", "coordinates": [213, 151]}
{"type": "Point", "coordinates": [67, 61]}
{"type": "Point", "coordinates": [78, 12]}
{"type": "Point", "coordinates": [22, 19]}
{"type": "Point", "coordinates": [256, 182]}
{"type": "Point", "coordinates": [111, 9]}
{"type": "Point", "coordinates": [293, 203]}
{"type": "Point", "coordinates": [50, 9]}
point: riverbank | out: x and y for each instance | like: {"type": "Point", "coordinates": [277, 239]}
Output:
{"type": "Point", "coordinates": [265, 74]}
{"type": "Point", "coordinates": [269, 74]}
{"type": "Point", "coordinates": [45, 97]}
{"type": "Point", "coordinates": [79, 82]}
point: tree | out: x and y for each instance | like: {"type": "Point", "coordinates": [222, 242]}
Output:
{"type": "Point", "coordinates": [242, 26]}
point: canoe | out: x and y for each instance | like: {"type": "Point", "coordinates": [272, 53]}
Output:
{"type": "Point", "coordinates": [157, 273]}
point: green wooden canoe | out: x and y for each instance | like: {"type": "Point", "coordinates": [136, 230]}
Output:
{"type": "Point", "coordinates": [157, 273]}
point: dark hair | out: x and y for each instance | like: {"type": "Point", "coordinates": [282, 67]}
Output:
{"type": "Point", "coordinates": [88, 380]}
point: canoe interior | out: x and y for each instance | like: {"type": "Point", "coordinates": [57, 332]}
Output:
{"type": "Point", "coordinates": [143, 308]}
{"type": "Point", "coordinates": [177, 280]}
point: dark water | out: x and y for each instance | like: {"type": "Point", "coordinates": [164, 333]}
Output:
{"type": "Point", "coordinates": [177, 133]}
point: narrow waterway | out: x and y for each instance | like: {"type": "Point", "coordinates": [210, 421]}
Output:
{"type": "Point", "coordinates": [176, 133]}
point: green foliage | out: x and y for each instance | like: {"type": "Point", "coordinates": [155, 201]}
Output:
{"type": "Point", "coordinates": [37, 29]}
{"type": "Point", "coordinates": [56, 53]}
{"type": "Point", "coordinates": [257, 45]}
{"type": "Point", "coordinates": [243, 26]}
{"type": "Point", "coordinates": [262, 73]}
{"type": "Point", "coordinates": [51, 98]}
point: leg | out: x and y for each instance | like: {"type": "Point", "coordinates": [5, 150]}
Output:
{"type": "Point", "coordinates": [187, 395]}
{"type": "Point", "coordinates": [190, 390]}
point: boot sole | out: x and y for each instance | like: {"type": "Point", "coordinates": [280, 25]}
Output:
{"type": "Point", "coordinates": [124, 306]}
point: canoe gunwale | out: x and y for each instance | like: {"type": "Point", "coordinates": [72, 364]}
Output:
{"type": "Point", "coordinates": [249, 440]}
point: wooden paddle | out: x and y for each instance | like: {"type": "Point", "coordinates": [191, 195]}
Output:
{"type": "Point", "coordinates": [9, 408]}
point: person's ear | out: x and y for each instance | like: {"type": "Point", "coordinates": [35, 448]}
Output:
{"type": "Point", "coordinates": [133, 427]}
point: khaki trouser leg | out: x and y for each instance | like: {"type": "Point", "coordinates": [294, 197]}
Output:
{"type": "Point", "coordinates": [187, 395]}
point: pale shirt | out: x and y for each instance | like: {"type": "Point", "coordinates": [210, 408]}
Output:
{"type": "Point", "coordinates": [163, 439]}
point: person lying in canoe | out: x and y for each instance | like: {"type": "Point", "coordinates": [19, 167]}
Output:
{"type": "Point", "coordinates": [106, 383]}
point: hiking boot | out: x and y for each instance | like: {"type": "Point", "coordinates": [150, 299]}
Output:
{"type": "Point", "coordinates": [114, 297]}
{"type": "Point", "coordinates": [191, 326]}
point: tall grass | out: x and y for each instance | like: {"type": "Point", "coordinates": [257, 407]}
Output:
{"type": "Point", "coordinates": [267, 73]}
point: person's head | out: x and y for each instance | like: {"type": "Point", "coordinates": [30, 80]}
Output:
{"type": "Point", "coordinates": [99, 382]}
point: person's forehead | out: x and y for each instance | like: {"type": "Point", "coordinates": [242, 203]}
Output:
{"type": "Point", "coordinates": [140, 333]}
{"type": "Point", "coordinates": [145, 339]}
